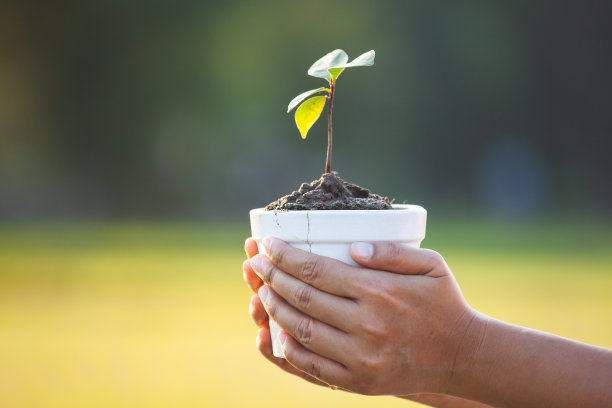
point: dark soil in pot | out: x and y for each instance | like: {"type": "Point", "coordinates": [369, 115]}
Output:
{"type": "Point", "coordinates": [330, 192]}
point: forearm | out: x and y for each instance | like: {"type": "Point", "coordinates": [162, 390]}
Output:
{"type": "Point", "coordinates": [509, 366]}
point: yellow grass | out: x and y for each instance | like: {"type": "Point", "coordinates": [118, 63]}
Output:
{"type": "Point", "coordinates": [157, 315]}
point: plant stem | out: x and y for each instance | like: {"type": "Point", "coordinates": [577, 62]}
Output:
{"type": "Point", "coordinates": [329, 129]}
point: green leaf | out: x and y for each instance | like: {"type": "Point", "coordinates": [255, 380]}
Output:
{"type": "Point", "coordinates": [320, 68]}
{"type": "Point", "coordinates": [331, 65]}
{"type": "Point", "coordinates": [364, 60]}
{"type": "Point", "coordinates": [335, 73]}
{"type": "Point", "coordinates": [295, 101]}
{"type": "Point", "coordinates": [308, 113]}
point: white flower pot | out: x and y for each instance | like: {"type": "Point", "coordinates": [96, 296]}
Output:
{"type": "Point", "coordinates": [330, 233]}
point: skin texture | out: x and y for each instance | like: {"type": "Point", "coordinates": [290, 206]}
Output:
{"type": "Point", "coordinates": [400, 326]}
{"type": "Point", "coordinates": [264, 345]}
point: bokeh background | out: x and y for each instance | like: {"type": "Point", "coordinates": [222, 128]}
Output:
{"type": "Point", "coordinates": [135, 136]}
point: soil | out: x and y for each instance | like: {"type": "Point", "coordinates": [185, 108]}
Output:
{"type": "Point", "coordinates": [330, 192]}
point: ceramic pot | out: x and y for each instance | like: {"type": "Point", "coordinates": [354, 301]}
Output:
{"type": "Point", "coordinates": [330, 233]}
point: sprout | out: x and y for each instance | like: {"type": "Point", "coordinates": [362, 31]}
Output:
{"type": "Point", "coordinates": [329, 68]}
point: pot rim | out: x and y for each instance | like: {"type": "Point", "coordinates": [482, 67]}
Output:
{"type": "Point", "coordinates": [396, 208]}
{"type": "Point", "coordinates": [403, 223]}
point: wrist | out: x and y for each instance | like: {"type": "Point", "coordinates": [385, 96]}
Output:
{"type": "Point", "coordinates": [471, 339]}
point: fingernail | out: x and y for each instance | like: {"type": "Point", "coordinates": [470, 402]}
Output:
{"type": "Point", "coordinates": [362, 250]}
{"type": "Point", "coordinates": [257, 264]}
{"type": "Point", "coordinates": [282, 337]}
{"type": "Point", "coordinates": [267, 241]}
{"type": "Point", "coordinates": [264, 293]}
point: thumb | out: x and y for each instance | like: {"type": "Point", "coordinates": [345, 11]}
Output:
{"type": "Point", "coordinates": [399, 258]}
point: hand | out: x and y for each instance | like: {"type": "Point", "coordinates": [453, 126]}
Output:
{"type": "Point", "coordinates": [264, 345]}
{"type": "Point", "coordinates": [260, 317]}
{"type": "Point", "coordinates": [398, 331]}
{"type": "Point", "coordinates": [406, 330]}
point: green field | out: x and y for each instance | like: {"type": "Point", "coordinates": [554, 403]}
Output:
{"type": "Point", "coordinates": [156, 315]}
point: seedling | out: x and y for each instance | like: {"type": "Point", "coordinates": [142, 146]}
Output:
{"type": "Point", "coordinates": [329, 68]}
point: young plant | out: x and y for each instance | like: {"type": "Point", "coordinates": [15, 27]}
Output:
{"type": "Point", "coordinates": [329, 68]}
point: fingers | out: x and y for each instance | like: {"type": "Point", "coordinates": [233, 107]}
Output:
{"type": "Point", "coordinates": [317, 336]}
{"type": "Point", "coordinates": [250, 277]}
{"type": "Point", "coordinates": [257, 312]}
{"type": "Point", "coordinates": [264, 345]}
{"type": "Point", "coordinates": [399, 258]}
{"type": "Point", "coordinates": [326, 370]}
{"type": "Point", "coordinates": [334, 310]}
{"type": "Point", "coordinates": [260, 317]}
{"type": "Point", "coordinates": [250, 247]}
{"type": "Point", "coordinates": [324, 273]}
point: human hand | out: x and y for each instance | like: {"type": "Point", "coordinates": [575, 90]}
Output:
{"type": "Point", "coordinates": [260, 317]}
{"type": "Point", "coordinates": [398, 328]}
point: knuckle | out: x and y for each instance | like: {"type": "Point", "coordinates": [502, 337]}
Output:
{"type": "Point", "coordinates": [394, 251]}
{"type": "Point", "coordinates": [383, 291]}
{"type": "Point", "coordinates": [369, 288]}
{"type": "Point", "coordinates": [271, 307]}
{"type": "Point", "coordinates": [436, 259]}
{"type": "Point", "coordinates": [303, 330]}
{"type": "Point", "coordinates": [269, 273]}
{"type": "Point", "coordinates": [363, 285]}
{"type": "Point", "coordinates": [263, 270]}
{"type": "Point", "coordinates": [310, 270]}
{"type": "Point", "coordinates": [356, 285]}
{"type": "Point", "coordinates": [276, 253]}
{"type": "Point", "coordinates": [374, 327]}
{"type": "Point", "coordinates": [392, 296]}
{"type": "Point", "coordinates": [314, 368]}
{"type": "Point", "coordinates": [303, 297]}
{"type": "Point", "coordinates": [387, 288]}
{"type": "Point", "coordinates": [373, 364]}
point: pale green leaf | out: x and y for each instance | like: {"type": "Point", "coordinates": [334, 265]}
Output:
{"type": "Point", "coordinates": [295, 101]}
{"type": "Point", "coordinates": [308, 113]}
{"type": "Point", "coordinates": [331, 65]}
{"type": "Point", "coordinates": [364, 60]}
{"type": "Point", "coordinates": [320, 68]}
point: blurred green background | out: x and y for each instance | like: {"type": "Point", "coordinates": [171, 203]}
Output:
{"type": "Point", "coordinates": [135, 137]}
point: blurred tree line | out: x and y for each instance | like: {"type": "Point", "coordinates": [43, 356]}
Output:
{"type": "Point", "coordinates": [177, 109]}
